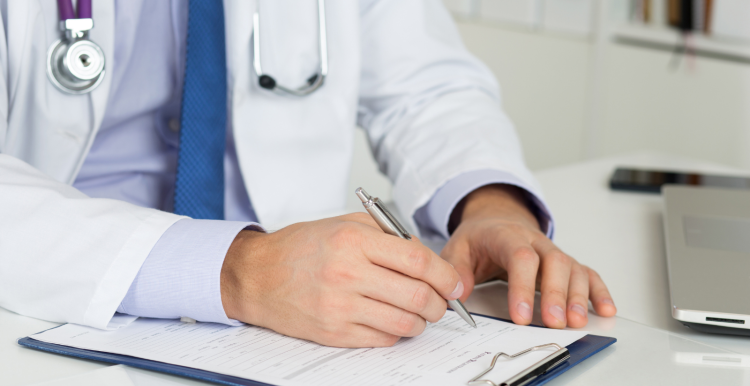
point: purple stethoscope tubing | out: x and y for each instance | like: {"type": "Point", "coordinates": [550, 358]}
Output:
{"type": "Point", "coordinates": [65, 8]}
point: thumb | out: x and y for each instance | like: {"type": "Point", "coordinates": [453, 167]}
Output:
{"type": "Point", "coordinates": [458, 254]}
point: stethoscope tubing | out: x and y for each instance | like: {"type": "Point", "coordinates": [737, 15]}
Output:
{"type": "Point", "coordinates": [315, 81]}
{"type": "Point", "coordinates": [65, 8]}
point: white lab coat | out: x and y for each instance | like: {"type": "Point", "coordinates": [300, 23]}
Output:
{"type": "Point", "coordinates": [397, 68]}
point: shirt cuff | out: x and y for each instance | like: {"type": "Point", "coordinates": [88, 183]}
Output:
{"type": "Point", "coordinates": [182, 274]}
{"type": "Point", "coordinates": [432, 219]}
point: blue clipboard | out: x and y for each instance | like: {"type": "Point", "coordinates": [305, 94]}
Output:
{"type": "Point", "coordinates": [579, 351]}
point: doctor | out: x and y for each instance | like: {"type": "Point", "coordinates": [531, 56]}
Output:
{"type": "Point", "coordinates": [138, 178]}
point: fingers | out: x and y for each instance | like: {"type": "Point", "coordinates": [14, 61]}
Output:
{"type": "Point", "coordinates": [600, 297]}
{"type": "Point", "coordinates": [556, 271]}
{"type": "Point", "coordinates": [414, 260]}
{"type": "Point", "coordinates": [403, 292]}
{"type": "Point", "coordinates": [566, 286]}
{"type": "Point", "coordinates": [522, 263]}
{"type": "Point", "coordinates": [578, 296]}
{"type": "Point", "coordinates": [389, 319]}
{"type": "Point", "coordinates": [458, 254]}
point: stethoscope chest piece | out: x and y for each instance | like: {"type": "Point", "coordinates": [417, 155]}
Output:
{"type": "Point", "coordinates": [75, 65]}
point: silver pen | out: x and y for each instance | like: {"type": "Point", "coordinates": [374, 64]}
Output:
{"type": "Point", "coordinates": [390, 225]}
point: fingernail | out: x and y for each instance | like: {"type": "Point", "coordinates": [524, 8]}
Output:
{"type": "Point", "coordinates": [458, 291]}
{"type": "Point", "coordinates": [558, 313]}
{"type": "Point", "coordinates": [608, 301]}
{"type": "Point", "coordinates": [579, 310]}
{"type": "Point", "coordinates": [524, 310]}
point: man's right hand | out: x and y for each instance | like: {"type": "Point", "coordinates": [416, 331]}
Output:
{"type": "Point", "coordinates": [339, 282]}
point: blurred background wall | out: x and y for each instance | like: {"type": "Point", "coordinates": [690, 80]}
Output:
{"type": "Point", "coordinates": [584, 79]}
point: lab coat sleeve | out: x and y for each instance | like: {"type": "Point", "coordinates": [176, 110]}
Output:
{"type": "Point", "coordinates": [65, 257]}
{"type": "Point", "coordinates": [432, 219]}
{"type": "Point", "coordinates": [431, 110]}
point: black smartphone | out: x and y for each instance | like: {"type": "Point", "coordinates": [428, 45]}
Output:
{"type": "Point", "coordinates": [650, 181]}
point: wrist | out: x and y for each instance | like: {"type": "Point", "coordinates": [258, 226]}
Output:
{"type": "Point", "coordinates": [237, 292]}
{"type": "Point", "coordinates": [496, 200]}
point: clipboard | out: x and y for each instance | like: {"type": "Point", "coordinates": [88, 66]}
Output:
{"type": "Point", "coordinates": [558, 362]}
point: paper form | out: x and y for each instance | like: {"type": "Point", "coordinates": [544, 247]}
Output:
{"type": "Point", "coordinates": [448, 352]}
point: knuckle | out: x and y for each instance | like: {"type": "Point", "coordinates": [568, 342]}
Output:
{"type": "Point", "coordinates": [580, 271]}
{"type": "Point", "coordinates": [559, 257]}
{"type": "Point", "coordinates": [385, 340]}
{"type": "Point", "coordinates": [526, 255]}
{"type": "Point", "coordinates": [558, 293]}
{"type": "Point", "coordinates": [406, 324]}
{"type": "Point", "coordinates": [391, 340]}
{"type": "Point", "coordinates": [419, 327]}
{"type": "Point", "coordinates": [338, 273]}
{"type": "Point", "coordinates": [344, 234]}
{"type": "Point", "coordinates": [523, 288]}
{"type": "Point", "coordinates": [578, 299]}
{"type": "Point", "coordinates": [419, 261]}
{"type": "Point", "coordinates": [421, 298]}
{"type": "Point", "coordinates": [361, 216]}
{"type": "Point", "coordinates": [338, 337]}
{"type": "Point", "coordinates": [438, 315]}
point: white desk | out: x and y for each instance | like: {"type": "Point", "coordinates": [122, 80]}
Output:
{"type": "Point", "coordinates": [621, 236]}
{"type": "Point", "coordinates": [618, 234]}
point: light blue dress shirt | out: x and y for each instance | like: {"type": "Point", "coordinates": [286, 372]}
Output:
{"type": "Point", "coordinates": [134, 157]}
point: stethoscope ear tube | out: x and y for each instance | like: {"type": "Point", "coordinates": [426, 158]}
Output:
{"type": "Point", "coordinates": [315, 81]}
{"type": "Point", "coordinates": [75, 64]}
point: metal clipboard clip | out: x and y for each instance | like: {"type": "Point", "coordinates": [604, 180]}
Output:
{"type": "Point", "coordinates": [533, 371]}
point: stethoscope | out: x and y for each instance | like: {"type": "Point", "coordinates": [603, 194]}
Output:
{"type": "Point", "coordinates": [315, 81]}
{"type": "Point", "coordinates": [75, 64]}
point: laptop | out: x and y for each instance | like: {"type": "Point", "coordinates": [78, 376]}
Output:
{"type": "Point", "coordinates": [707, 233]}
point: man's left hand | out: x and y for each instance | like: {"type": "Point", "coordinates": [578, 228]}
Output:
{"type": "Point", "coordinates": [497, 236]}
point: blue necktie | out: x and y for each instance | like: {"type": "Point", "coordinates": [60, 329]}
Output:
{"type": "Point", "coordinates": [199, 185]}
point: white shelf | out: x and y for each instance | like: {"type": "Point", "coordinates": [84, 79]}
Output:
{"type": "Point", "coordinates": [669, 39]}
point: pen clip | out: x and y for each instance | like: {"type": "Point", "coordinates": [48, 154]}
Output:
{"type": "Point", "coordinates": [549, 362]}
